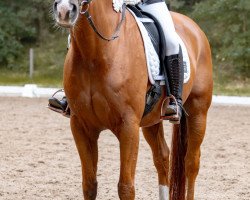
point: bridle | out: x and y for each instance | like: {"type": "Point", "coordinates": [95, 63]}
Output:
{"type": "Point", "coordinates": [84, 10]}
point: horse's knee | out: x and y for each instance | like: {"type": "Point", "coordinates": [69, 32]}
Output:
{"type": "Point", "coordinates": [192, 165]}
{"type": "Point", "coordinates": [90, 191]}
{"type": "Point", "coordinates": [162, 166]}
{"type": "Point", "coordinates": [126, 191]}
{"type": "Point", "coordinates": [161, 163]}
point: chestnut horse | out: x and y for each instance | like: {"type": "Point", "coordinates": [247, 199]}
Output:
{"type": "Point", "coordinates": [106, 85]}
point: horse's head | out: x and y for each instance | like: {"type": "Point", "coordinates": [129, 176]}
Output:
{"type": "Point", "coordinates": [66, 12]}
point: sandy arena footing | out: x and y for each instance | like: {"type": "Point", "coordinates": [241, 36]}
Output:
{"type": "Point", "coordinates": [39, 160]}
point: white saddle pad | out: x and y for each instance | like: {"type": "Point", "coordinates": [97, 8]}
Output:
{"type": "Point", "coordinates": [153, 62]}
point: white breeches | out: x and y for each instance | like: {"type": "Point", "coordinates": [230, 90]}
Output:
{"type": "Point", "coordinates": [161, 13]}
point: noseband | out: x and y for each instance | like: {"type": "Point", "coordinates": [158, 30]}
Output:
{"type": "Point", "coordinates": [84, 10]}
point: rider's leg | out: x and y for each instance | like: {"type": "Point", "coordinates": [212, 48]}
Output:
{"type": "Point", "coordinates": [159, 10]}
{"type": "Point", "coordinates": [57, 105]}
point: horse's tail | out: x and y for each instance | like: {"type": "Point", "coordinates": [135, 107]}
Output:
{"type": "Point", "coordinates": [178, 153]}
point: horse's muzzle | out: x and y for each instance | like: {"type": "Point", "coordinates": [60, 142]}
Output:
{"type": "Point", "coordinates": [65, 12]}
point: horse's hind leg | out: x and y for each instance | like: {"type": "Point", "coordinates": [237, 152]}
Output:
{"type": "Point", "coordinates": [154, 135]}
{"type": "Point", "coordinates": [86, 143]}
{"type": "Point", "coordinates": [196, 126]}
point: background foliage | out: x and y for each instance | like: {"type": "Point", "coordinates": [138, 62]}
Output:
{"type": "Point", "coordinates": [25, 24]}
{"type": "Point", "coordinates": [28, 23]}
{"type": "Point", "coordinates": [226, 24]}
{"type": "Point", "coordinates": [21, 25]}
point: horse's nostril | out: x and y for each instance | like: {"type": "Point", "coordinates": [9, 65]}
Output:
{"type": "Point", "coordinates": [74, 8]}
{"type": "Point", "coordinates": [55, 6]}
{"type": "Point", "coordinates": [59, 15]}
{"type": "Point", "coordinates": [65, 13]}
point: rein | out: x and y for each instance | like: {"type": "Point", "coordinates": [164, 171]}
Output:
{"type": "Point", "coordinates": [85, 12]}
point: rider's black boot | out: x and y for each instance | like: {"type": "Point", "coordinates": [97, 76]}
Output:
{"type": "Point", "coordinates": [60, 106]}
{"type": "Point", "coordinates": [174, 65]}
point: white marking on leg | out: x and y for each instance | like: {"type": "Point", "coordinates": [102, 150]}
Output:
{"type": "Point", "coordinates": [163, 192]}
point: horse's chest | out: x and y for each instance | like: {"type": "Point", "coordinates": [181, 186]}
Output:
{"type": "Point", "coordinates": [98, 106]}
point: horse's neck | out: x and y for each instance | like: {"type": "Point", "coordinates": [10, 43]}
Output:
{"type": "Point", "coordinates": [104, 18]}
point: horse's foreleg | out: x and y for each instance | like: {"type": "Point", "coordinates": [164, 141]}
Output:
{"type": "Point", "coordinates": [86, 143]}
{"type": "Point", "coordinates": [196, 131]}
{"type": "Point", "coordinates": [154, 135]}
{"type": "Point", "coordinates": [129, 143]}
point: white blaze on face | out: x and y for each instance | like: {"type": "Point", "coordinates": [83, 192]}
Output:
{"type": "Point", "coordinates": [163, 192]}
